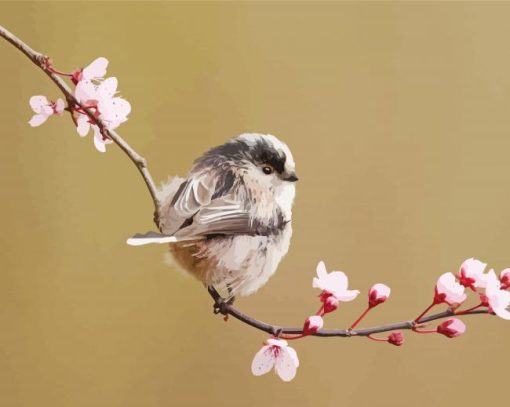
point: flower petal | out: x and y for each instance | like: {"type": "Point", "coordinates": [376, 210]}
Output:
{"type": "Point", "coordinates": [382, 290]}
{"type": "Point", "coordinates": [281, 343]}
{"type": "Point", "coordinates": [348, 295]}
{"type": "Point", "coordinates": [503, 313]}
{"type": "Point", "coordinates": [37, 120]}
{"type": "Point", "coordinates": [287, 364]}
{"type": "Point", "coordinates": [114, 111]}
{"type": "Point", "coordinates": [85, 90]}
{"type": "Point", "coordinates": [83, 125]}
{"type": "Point", "coordinates": [263, 361]}
{"type": "Point", "coordinates": [59, 106]}
{"type": "Point", "coordinates": [96, 69]}
{"type": "Point", "coordinates": [37, 103]}
{"type": "Point", "coordinates": [107, 88]}
{"type": "Point", "coordinates": [321, 270]}
{"type": "Point", "coordinates": [99, 143]}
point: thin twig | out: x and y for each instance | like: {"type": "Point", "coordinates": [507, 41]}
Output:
{"type": "Point", "coordinates": [42, 62]}
{"type": "Point", "coordinates": [220, 306]}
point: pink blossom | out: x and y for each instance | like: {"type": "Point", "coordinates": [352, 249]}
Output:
{"type": "Point", "coordinates": [96, 70]}
{"type": "Point", "coordinates": [333, 284]}
{"type": "Point", "coordinates": [504, 279]}
{"type": "Point", "coordinates": [396, 338]}
{"type": "Point", "coordinates": [451, 328]}
{"type": "Point", "coordinates": [471, 274]}
{"type": "Point", "coordinates": [313, 324]}
{"type": "Point", "coordinates": [449, 291]}
{"type": "Point", "coordinates": [378, 294]}
{"type": "Point", "coordinates": [43, 108]}
{"type": "Point", "coordinates": [497, 299]}
{"type": "Point", "coordinates": [276, 353]}
{"type": "Point", "coordinates": [112, 110]}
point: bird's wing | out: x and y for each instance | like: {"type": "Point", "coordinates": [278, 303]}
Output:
{"type": "Point", "coordinates": [193, 194]}
{"type": "Point", "coordinates": [195, 214]}
{"type": "Point", "coordinates": [223, 216]}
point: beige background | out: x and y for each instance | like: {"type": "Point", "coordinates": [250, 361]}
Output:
{"type": "Point", "coordinates": [398, 116]}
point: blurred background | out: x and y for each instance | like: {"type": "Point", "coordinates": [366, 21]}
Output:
{"type": "Point", "coordinates": [398, 118]}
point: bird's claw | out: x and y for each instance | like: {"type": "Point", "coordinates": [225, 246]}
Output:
{"type": "Point", "coordinates": [220, 306]}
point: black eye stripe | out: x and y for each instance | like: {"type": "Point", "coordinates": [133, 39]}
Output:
{"type": "Point", "coordinates": [239, 151]}
{"type": "Point", "coordinates": [273, 158]}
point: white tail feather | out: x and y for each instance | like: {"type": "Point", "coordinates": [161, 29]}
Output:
{"type": "Point", "coordinates": [150, 237]}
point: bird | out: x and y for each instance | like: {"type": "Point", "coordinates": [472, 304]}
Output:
{"type": "Point", "coordinates": [229, 222]}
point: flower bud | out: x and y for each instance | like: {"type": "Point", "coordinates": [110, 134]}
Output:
{"type": "Point", "coordinates": [504, 278]}
{"type": "Point", "coordinates": [313, 324]}
{"type": "Point", "coordinates": [451, 328]}
{"type": "Point", "coordinates": [378, 294]}
{"type": "Point", "coordinates": [330, 304]}
{"type": "Point", "coordinates": [396, 338]}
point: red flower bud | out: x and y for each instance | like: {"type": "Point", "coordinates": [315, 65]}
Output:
{"type": "Point", "coordinates": [396, 338]}
{"type": "Point", "coordinates": [451, 328]}
{"type": "Point", "coordinates": [378, 294]}
{"type": "Point", "coordinates": [312, 324]}
{"type": "Point", "coordinates": [330, 304]}
{"type": "Point", "coordinates": [504, 278]}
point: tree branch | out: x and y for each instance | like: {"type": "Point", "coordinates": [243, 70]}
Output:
{"type": "Point", "coordinates": [220, 306]}
{"type": "Point", "coordinates": [42, 62]}
{"type": "Point", "coordinates": [225, 308]}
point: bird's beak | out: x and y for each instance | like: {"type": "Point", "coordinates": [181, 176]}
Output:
{"type": "Point", "coordinates": [291, 177]}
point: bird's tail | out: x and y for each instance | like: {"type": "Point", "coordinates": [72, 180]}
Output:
{"type": "Point", "coordinates": [141, 239]}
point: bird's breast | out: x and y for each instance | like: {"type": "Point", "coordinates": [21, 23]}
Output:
{"type": "Point", "coordinates": [242, 262]}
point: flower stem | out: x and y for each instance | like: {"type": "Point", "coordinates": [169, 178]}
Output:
{"type": "Point", "coordinates": [469, 309]}
{"type": "Point", "coordinates": [425, 331]}
{"type": "Point", "coordinates": [424, 312]}
{"type": "Point", "coordinates": [355, 323]}
{"type": "Point", "coordinates": [376, 339]}
{"type": "Point", "coordinates": [291, 337]}
{"type": "Point", "coordinates": [50, 68]}
{"type": "Point", "coordinates": [320, 312]}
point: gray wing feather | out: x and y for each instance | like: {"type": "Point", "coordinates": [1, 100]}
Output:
{"type": "Point", "coordinates": [193, 212]}
{"type": "Point", "coordinates": [221, 216]}
{"type": "Point", "coordinates": [195, 194]}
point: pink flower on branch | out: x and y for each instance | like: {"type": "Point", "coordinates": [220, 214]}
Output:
{"type": "Point", "coordinates": [43, 108]}
{"type": "Point", "coordinates": [95, 94]}
{"type": "Point", "coordinates": [313, 324]}
{"type": "Point", "coordinates": [278, 355]}
{"type": "Point", "coordinates": [334, 285]}
{"type": "Point", "coordinates": [96, 70]}
{"type": "Point", "coordinates": [378, 294]}
{"type": "Point", "coordinates": [497, 299]}
{"type": "Point", "coordinates": [471, 274]}
{"type": "Point", "coordinates": [449, 291]}
{"type": "Point", "coordinates": [111, 109]}
{"type": "Point", "coordinates": [451, 328]}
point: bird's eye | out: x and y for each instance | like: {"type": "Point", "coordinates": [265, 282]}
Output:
{"type": "Point", "coordinates": [267, 169]}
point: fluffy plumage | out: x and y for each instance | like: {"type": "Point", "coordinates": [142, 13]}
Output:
{"type": "Point", "coordinates": [229, 222]}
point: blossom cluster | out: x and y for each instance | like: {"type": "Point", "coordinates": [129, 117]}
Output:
{"type": "Point", "coordinates": [277, 354]}
{"type": "Point", "coordinates": [491, 290]}
{"type": "Point", "coordinates": [94, 93]}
